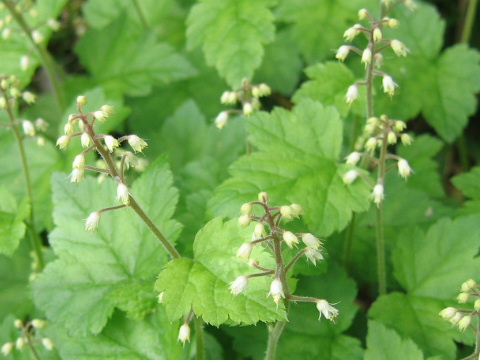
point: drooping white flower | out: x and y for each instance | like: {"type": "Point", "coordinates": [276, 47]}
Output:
{"type": "Point", "coordinates": [247, 109]}
{"type": "Point", "coordinates": [28, 128]}
{"type": "Point", "coordinates": [184, 333]}
{"type": "Point", "coordinates": [7, 348]}
{"type": "Point", "coordinates": [367, 56]}
{"type": "Point", "coordinates": [81, 100]}
{"type": "Point", "coordinates": [290, 239]}
{"type": "Point", "coordinates": [77, 175]}
{"type": "Point", "coordinates": [79, 162]}
{"type": "Point", "coordinates": [448, 313]}
{"type": "Point", "coordinates": [259, 231]}
{"type": "Point", "coordinates": [327, 310]}
{"type": "Point", "coordinates": [352, 32]}
{"type": "Point", "coordinates": [377, 35]}
{"type": "Point", "coordinates": [29, 97]}
{"type": "Point", "coordinates": [362, 14]}
{"type": "Point", "coordinates": [398, 48]}
{"type": "Point", "coordinates": [244, 220]}
{"type": "Point", "coordinates": [352, 94]}
{"type": "Point", "coordinates": [38, 323]}
{"type": "Point", "coordinates": [47, 344]}
{"type": "Point", "coordinates": [92, 221]}
{"type": "Point", "coordinates": [403, 168]}
{"type": "Point", "coordinates": [137, 143]}
{"type": "Point", "coordinates": [311, 241]}
{"type": "Point", "coordinates": [20, 343]}
{"type": "Point", "coordinates": [287, 212]}
{"type": "Point", "coordinates": [464, 322]}
{"type": "Point", "coordinates": [111, 142]}
{"type": "Point", "coordinates": [399, 125]}
{"type": "Point", "coordinates": [245, 250]}
{"type": "Point", "coordinates": [456, 318]}
{"type": "Point", "coordinates": [378, 194]}
{"type": "Point", "coordinates": [342, 52]}
{"type": "Point", "coordinates": [86, 140]}
{"type": "Point", "coordinates": [221, 119]}
{"type": "Point", "coordinates": [388, 85]}
{"type": "Point", "coordinates": [100, 115]}
{"type": "Point", "coordinates": [406, 139]}
{"type": "Point", "coordinates": [371, 144]}
{"type": "Point", "coordinates": [123, 194]}
{"type": "Point", "coordinates": [276, 290]}
{"type": "Point", "coordinates": [313, 255]}
{"type": "Point", "coordinates": [462, 298]}
{"type": "Point", "coordinates": [238, 285]}
{"type": "Point", "coordinates": [391, 138]}
{"type": "Point", "coordinates": [468, 285]}
{"type": "Point", "coordinates": [53, 24]}
{"type": "Point", "coordinates": [349, 177]}
{"type": "Point", "coordinates": [353, 158]}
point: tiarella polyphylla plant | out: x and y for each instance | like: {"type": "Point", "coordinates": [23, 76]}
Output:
{"type": "Point", "coordinates": [379, 132]}
{"type": "Point", "coordinates": [268, 232]}
{"type": "Point", "coordinates": [29, 337]}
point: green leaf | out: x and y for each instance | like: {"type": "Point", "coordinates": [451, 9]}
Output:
{"type": "Point", "coordinates": [122, 61]}
{"type": "Point", "coordinates": [153, 338]}
{"type": "Point", "coordinates": [469, 183]}
{"type": "Point", "coordinates": [232, 34]}
{"type": "Point", "coordinates": [12, 227]}
{"type": "Point", "coordinates": [383, 343]}
{"type": "Point", "coordinates": [317, 26]}
{"type": "Point", "coordinates": [437, 77]}
{"type": "Point", "coordinates": [81, 289]}
{"type": "Point", "coordinates": [203, 283]}
{"type": "Point", "coordinates": [296, 163]}
{"type": "Point", "coordinates": [434, 264]}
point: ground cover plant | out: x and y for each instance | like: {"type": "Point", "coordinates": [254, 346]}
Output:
{"type": "Point", "coordinates": [239, 179]}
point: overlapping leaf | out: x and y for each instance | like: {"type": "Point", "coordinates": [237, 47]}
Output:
{"type": "Point", "coordinates": [296, 162]}
{"type": "Point", "coordinates": [202, 283]}
{"type": "Point", "coordinates": [12, 227]}
{"type": "Point", "coordinates": [81, 289]}
{"type": "Point", "coordinates": [468, 183]}
{"type": "Point", "coordinates": [232, 34]}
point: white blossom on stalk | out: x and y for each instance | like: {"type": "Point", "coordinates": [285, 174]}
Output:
{"type": "Point", "coordinates": [399, 125]}
{"type": "Point", "coordinates": [276, 290]}
{"type": "Point", "coordinates": [37, 36]}
{"type": "Point", "coordinates": [404, 168]}
{"type": "Point", "coordinates": [391, 138]}
{"type": "Point", "coordinates": [245, 250]}
{"type": "Point", "coordinates": [247, 109]}
{"type": "Point", "coordinates": [367, 56]}
{"type": "Point", "coordinates": [313, 255]}
{"type": "Point", "coordinates": [327, 310]}
{"type": "Point", "coordinates": [468, 285]}
{"type": "Point", "coordinates": [406, 139]}
{"type": "Point", "coordinates": [77, 175]}
{"type": "Point", "coordinates": [353, 158]}
{"type": "Point", "coordinates": [29, 97]}
{"type": "Point", "coordinates": [349, 177]}
{"type": "Point", "coordinates": [81, 100]}
{"type": "Point", "coordinates": [221, 119]}
{"type": "Point", "coordinates": [111, 143]}
{"type": "Point", "coordinates": [47, 344]}
{"type": "Point", "coordinates": [92, 221]}
{"type": "Point", "coordinates": [352, 94]}
{"type": "Point", "coordinates": [290, 239]}
{"type": "Point", "coordinates": [259, 231]}
{"type": "Point", "coordinates": [311, 241]}
{"type": "Point", "coordinates": [448, 313]}
{"type": "Point", "coordinates": [377, 35]}
{"type": "Point", "coordinates": [456, 318]}
{"type": "Point", "coordinates": [63, 141]}
{"type": "Point", "coordinates": [238, 285]}
{"type": "Point", "coordinates": [28, 128]}
{"type": "Point", "coordinates": [342, 52]}
{"type": "Point", "coordinates": [398, 48]}
{"type": "Point", "coordinates": [137, 143]}
{"type": "Point", "coordinates": [53, 24]}
{"type": "Point", "coordinates": [38, 323]}
{"type": "Point", "coordinates": [352, 32]}
{"type": "Point", "coordinates": [24, 61]}
{"type": "Point", "coordinates": [7, 348]}
{"type": "Point", "coordinates": [378, 194]}
{"type": "Point", "coordinates": [20, 343]}
{"type": "Point", "coordinates": [388, 85]}
{"type": "Point", "coordinates": [79, 162]}
{"type": "Point", "coordinates": [371, 144]}
{"type": "Point", "coordinates": [86, 140]}
{"type": "Point", "coordinates": [246, 209]}
{"type": "Point", "coordinates": [123, 194]}
{"type": "Point", "coordinates": [244, 220]}
{"type": "Point", "coordinates": [184, 333]}
{"type": "Point", "coordinates": [464, 322]}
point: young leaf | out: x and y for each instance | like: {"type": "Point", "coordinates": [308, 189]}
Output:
{"type": "Point", "coordinates": [232, 34]}
{"type": "Point", "coordinates": [296, 163]}
{"type": "Point", "coordinates": [130, 63]}
{"type": "Point", "coordinates": [12, 227]}
{"type": "Point", "coordinates": [81, 289]}
{"type": "Point", "coordinates": [383, 343]}
{"type": "Point", "coordinates": [203, 283]}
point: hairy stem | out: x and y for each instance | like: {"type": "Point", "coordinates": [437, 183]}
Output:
{"type": "Point", "coordinates": [31, 346]}
{"type": "Point", "coordinates": [45, 58]}
{"type": "Point", "coordinates": [199, 338]}
{"type": "Point", "coordinates": [273, 337]}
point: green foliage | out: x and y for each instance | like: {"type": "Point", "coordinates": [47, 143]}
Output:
{"type": "Point", "coordinates": [202, 284]}
{"type": "Point", "coordinates": [12, 227]}
{"type": "Point", "coordinates": [468, 184]}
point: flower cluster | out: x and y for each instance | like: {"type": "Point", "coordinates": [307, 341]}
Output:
{"type": "Point", "coordinates": [249, 97]}
{"type": "Point", "coordinates": [82, 125]}
{"type": "Point", "coordinates": [371, 56]}
{"type": "Point", "coordinates": [28, 336]}
{"type": "Point", "coordinates": [378, 134]}
{"type": "Point", "coordinates": [463, 317]}
{"type": "Point", "coordinates": [269, 232]}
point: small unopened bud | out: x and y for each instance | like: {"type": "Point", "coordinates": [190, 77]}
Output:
{"type": "Point", "coordinates": [350, 176]}
{"type": "Point", "coordinates": [462, 298]}
{"type": "Point", "coordinates": [342, 52]}
{"type": "Point", "coordinates": [353, 158]}
{"type": "Point", "coordinates": [184, 333]}
{"type": "Point", "coordinates": [37, 36]}
{"type": "Point", "coordinates": [77, 175]}
{"type": "Point", "coordinates": [404, 168]}
{"type": "Point", "coordinates": [245, 250]}
{"type": "Point", "coordinates": [246, 209]}
{"type": "Point", "coordinates": [406, 139]}
{"type": "Point", "coordinates": [79, 162]}
{"type": "Point", "coordinates": [63, 141]}
{"type": "Point", "coordinates": [24, 60]}
{"type": "Point", "coordinates": [7, 348]}
{"type": "Point", "coordinates": [377, 35]}
{"type": "Point", "coordinates": [290, 239]}
{"type": "Point", "coordinates": [244, 220]}
{"type": "Point", "coordinates": [38, 324]}
{"type": "Point", "coordinates": [362, 14]}
{"type": "Point", "coordinates": [367, 56]}
{"type": "Point", "coordinates": [287, 212]}
{"type": "Point", "coordinates": [464, 322]}
{"type": "Point", "coordinates": [468, 285]}
{"type": "Point", "coordinates": [352, 94]}
{"type": "Point", "coordinates": [111, 143]}
{"type": "Point", "coordinates": [53, 24]}
{"type": "Point", "coordinates": [92, 221]}
{"type": "Point", "coordinates": [47, 344]}
{"type": "Point", "coordinates": [28, 128]}
{"type": "Point", "coordinates": [448, 313]}
{"type": "Point", "coordinates": [123, 194]}
{"type": "Point", "coordinates": [238, 285]}
{"type": "Point", "coordinates": [391, 138]}
{"type": "Point", "coordinates": [81, 100]}
{"type": "Point", "coordinates": [378, 194]}
{"type": "Point", "coordinates": [259, 231]}
{"type": "Point", "coordinates": [276, 290]}
{"type": "Point", "coordinates": [86, 140]}
{"type": "Point", "coordinates": [311, 241]}
{"type": "Point", "coordinates": [247, 109]}
{"type": "Point", "coordinates": [137, 143]}
{"type": "Point", "coordinates": [28, 97]}
{"type": "Point", "coordinates": [18, 323]}
{"type": "Point", "coordinates": [263, 197]}
{"type": "Point", "coordinates": [221, 119]}
{"type": "Point", "coordinates": [20, 343]}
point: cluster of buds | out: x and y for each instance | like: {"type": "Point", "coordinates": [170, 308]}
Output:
{"type": "Point", "coordinates": [25, 10]}
{"type": "Point", "coordinates": [371, 56]}
{"type": "Point", "coordinates": [82, 125]}
{"type": "Point", "coordinates": [27, 337]}
{"type": "Point", "coordinates": [249, 97]}
{"type": "Point", "coordinates": [9, 97]}
{"type": "Point", "coordinates": [268, 232]}
{"type": "Point", "coordinates": [410, 4]}
{"type": "Point", "coordinates": [463, 317]}
{"type": "Point", "coordinates": [378, 134]}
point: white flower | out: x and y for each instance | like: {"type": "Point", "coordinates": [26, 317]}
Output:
{"type": "Point", "coordinates": [326, 310]}
{"type": "Point", "coordinates": [63, 141]}
{"type": "Point", "coordinates": [24, 60]}
{"type": "Point", "coordinates": [86, 140]}
{"type": "Point", "coordinates": [245, 250]}
{"type": "Point", "coordinates": [403, 168]}
{"type": "Point", "coordinates": [37, 36]}
{"type": "Point", "coordinates": [399, 48]}
{"type": "Point", "coordinates": [137, 143]}
{"type": "Point", "coordinates": [391, 138]}
{"type": "Point", "coordinates": [349, 177]}
{"type": "Point", "coordinates": [377, 194]}
{"type": "Point", "coordinates": [100, 116]}
{"type": "Point", "coordinates": [108, 110]}
{"type": "Point", "coordinates": [18, 323]}
{"type": "Point", "coordinates": [28, 128]}
{"type": "Point", "coordinates": [362, 14]}
{"type": "Point", "coordinates": [259, 231]}
{"type": "Point", "coordinates": [247, 109]}
{"type": "Point", "coordinates": [68, 129]}
{"type": "Point", "coordinates": [123, 194]}
{"type": "Point", "coordinates": [228, 97]}
{"type": "Point", "coordinates": [290, 239]}
{"type": "Point", "coordinates": [111, 142]}
{"type": "Point", "coordinates": [351, 32]}
{"type": "Point", "coordinates": [313, 255]}
{"type": "Point", "coordinates": [371, 144]}
{"type": "Point", "coordinates": [353, 158]}
{"type": "Point", "coordinates": [20, 343]}
{"type": "Point", "coordinates": [53, 24]}
{"type": "Point", "coordinates": [464, 322]}
{"type": "Point", "coordinates": [79, 162]}
{"type": "Point", "coordinates": [406, 139]}
{"type": "Point", "coordinates": [462, 298]}
{"type": "Point", "coordinates": [81, 100]}
{"type": "Point", "coordinates": [367, 56]}
{"type": "Point", "coordinates": [377, 35]}
{"type": "Point", "coordinates": [264, 90]}
{"type": "Point", "coordinates": [92, 221]}
{"type": "Point", "coordinates": [342, 52]}
{"type": "Point", "coordinates": [7, 348]}
{"type": "Point", "coordinates": [448, 313]}
{"type": "Point", "coordinates": [262, 197]}
{"type": "Point", "coordinates": [456, 318]}
{"type": "Point", "coordinates": [240, 284]}
{"type": "Point", "coordinates": [399, 125]}
{"type": "Point", "coordinates": [468, 285]}
{"type": "Point", "coordinates": [38, 324]}
{"type": "Point", "coordinates": [311, 241]}
{"type": "Point", "coordinates": [47, 343]}
{"type": "Point", "coordinates": [276, 290]}
{"type": "Point", "coordinates": [388, 85]}
{"type": "Point", "coordinates": [244, 220]}
{"type": "Point", "coordinates": [287, 212]}
{"type": "Point", "coordinates": [246, 209]}
{"type": "Point", "coordinates": [28, 97]}
{"type": "Point", "coordinates": [352, 94]}
{"type": "Point", "coordinates": [77, 175]}
{"type": "Point", "coordinates": [221, 119]}
{"type": "Point", "coordinates": [184, 333]}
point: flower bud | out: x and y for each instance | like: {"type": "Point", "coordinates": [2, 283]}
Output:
{"type": "Point", "coordinates": [221, 119]}
{"type": "Point", "coordinates": [399, 126]}
{"type": "Point", "coordinates": [255, 92]}
{"type": "Point", "coordinates": [391, 138]}
{"type": "Point", "coordinates": [18, 323]}
{"type": "Point", "coordinates": [123, 194]}
{"type": "Point", "coordinates": [276, 290]}
{"type": "Point", "coordinates": [448, 313]}
{"type": "Point", "coordinates": [247, 109]}
{"type": "Point", "coordinates": [352, 94]}
{"type": "Point", "coordinates": [404, 168]}
{"type": "Point", "coordinates": [353, 158]}
{"type": "Point", "coordinates": [377, 35]}
{"type": "Point", "coordinates": [311, 241]}
{"type": "Point", "coordinates": [391, 23]}
{"type": "Point", "coordinates": [287, 212]}
{"type": "Point", "coordinates": [38, 324]}
{"type": "Point", "coordinates": [259, 231]}
{"type": "Point", "coordinates": [388, 85]}
{"type": "Point", "coordinates": [53, 24]}
{"type": "Point", "coordinates": [367, 56]}
{"type": "Point", "coordinates": [263, 197]}
{"type": "Point", "coordinates": [68, 129]}
{"type": "Point", "coordinates": [232, 97]}
{"type": "Point", "coordinates": [100, 116]}
{"type": "Point", "coordinates": [342, 52]}
{"type": "Point", "coordinates": [24, 60]}
{"type": "Point", "coordinates": [352, 32]}
{"type": "Point", "coordinates": [79, 162]}
{"type": "Point", "coordinates": [349, 177]}
{"type": "Point", "coordinates": [406, 139]}
{"type": "Point", "coordinates": [462, 298]}
{"type": "Point", "coordinates": [184, 333]}
{"type": "Point", "coordinates": [77, 175]}
{"type": "Point", "coordinates": [398, 48]}
{"type": "Point", "coordinates": [468, 285]}
{"type": "Point", "coordinates": [362, 14]}
{"type": "Point", "coordinates": [111, 143]}
{"type": "Point", "coordinates": [92, 221]}
{"type": "Point", "coordinates": [464, 322]}
{"type": "Point", "coordinates": [290, 239]}
{"type": "Point", "coordinates": [137, 143]}
{"type": "Point", "coordinates": [246, 209]}
{"type": "Point", "coordinates": [313, 255]}
{"type": "Point", "coordinates": [371, 144]}
{"type": "Point", "coordinates": [86, 140]}
{"type": "Point", "coordinates": [81, 100]}
{"type": "Point", "coordinates": [297, 210]}
{"type": "Point", "coordinates": [63, 141]}
{"type": "Point", "coordinates": [456, 318]}
{"type": "Point", "coordinates": [37, 36]}
{"type": "Point", "coordinates": [20, 343]}
{"type": "Point", "coordinates": [378, 194]}
{"type": "Point", "coordinates": [47, 344]}
{"type": "Point", "coordinates": [264, 90]}
{"type": "Point", "coordinates": [28, 128]}
{"type": "Point", "coordinates": [238, 285]}
{"type": "Point", "coordinates": [245, 250]}
{"type": "Point", "coordinates": [244, 220]}
{"type": "Point", "coordinates": [7, 348]}
{"type": "Point", "coordinates": [28, 97]}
